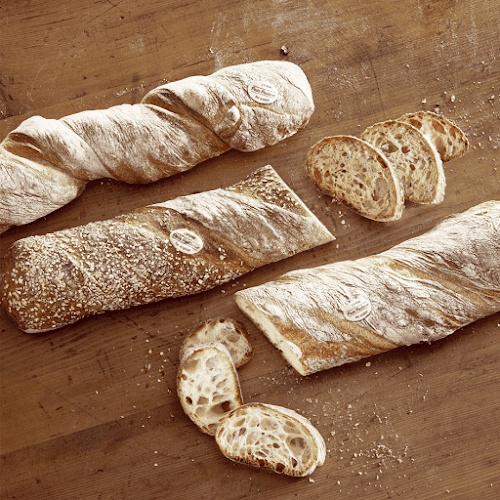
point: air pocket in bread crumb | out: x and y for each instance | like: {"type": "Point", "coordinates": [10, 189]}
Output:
{"type": "Point", "coordinates": [272, 437]}
{"type": "Point", "coordinates": [208, 386]}
{"type": "Point", "coordinates": [355, 173]}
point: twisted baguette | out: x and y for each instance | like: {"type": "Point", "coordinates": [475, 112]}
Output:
{"type": "Point", "coordinates": [46, 163]}
{"type": "Point", "coordinates": [421, 290]}
{"type": "Point", "coordinates": [172, 249]}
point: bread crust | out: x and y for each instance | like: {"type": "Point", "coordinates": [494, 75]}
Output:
{"type": "Point", "coordinates": [421, 290]}
{"type": "Point", "coordinates": [46, 163]}
{"type": "Point", "coordinates": [180, 247]}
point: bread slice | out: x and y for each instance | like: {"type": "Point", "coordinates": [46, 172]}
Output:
{"type": "Point", "coordinates": [208, 386]}
{"type": "Point", "coordinates": [357, 174]}
{"type": "Point", "coordinates": [230, 333]}
{"type": "Point", "coordinates": [270, 436]}
{"type": "Point", "coordinates": [416, 161]}
{"type": "Point", "coordinates": [448, 138]}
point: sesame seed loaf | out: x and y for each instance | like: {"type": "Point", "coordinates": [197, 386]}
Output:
{"type": "Point", "coordinates": [421, 290]}
{"type": "Point", "coordinates": [46, 163]}
{"type": "Point", "coordinates": [180, 247]}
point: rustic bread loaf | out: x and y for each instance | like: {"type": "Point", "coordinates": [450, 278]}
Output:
{"type": "Point", "coordinates": [421, 290]}
{"type": "Point", "coordinates": [448, 138]}
{"type": "Point", "coordinates": [230, 333]}
{"type": "Point", "coordinates": [44, 164]}
{"type": "Point", "coordinates": [208, 386]}
{"type": "Point", "coordinates": [416, 162]}
{"type": "Point", "coordinates": [180, 247]}
{"type": "Point", "coordinates": [357, 174]}
{"type": "Point", "coordinates": [273, 437]}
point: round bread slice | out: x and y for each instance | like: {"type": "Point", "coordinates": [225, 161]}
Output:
{"type": "Point", "coordinates": [357, 174]}
{"type": "Point", "coordinates": [416, 161]}
{"type": "Point", "coordinates": [448, 138]}
{"type": "Point", "coordinates": [208, 386]}
{"type": "Point", "coordinates": [230, 333]}
{"type": "Point", "coordinates": [271, 437]}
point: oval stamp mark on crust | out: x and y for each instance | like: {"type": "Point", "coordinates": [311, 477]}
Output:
{"type": "Point", "coordinates": [186, 241]}
{"type": "Point", "coordinates": [357, 309]}
{"type": "Point", "coordinates": [262, 92]}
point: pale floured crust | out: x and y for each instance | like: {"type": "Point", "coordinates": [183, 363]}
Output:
{"type": "Point", "coordinates": [45, 163]}
{"type": "Point", "coordinates": [180, 247]}
{"type": "Point", "coordinates": [272, 437]}
{"type": "Point", "coordinates": [230, 333]}
{"type": "Point", "coordinates": [416, 161]}
{"type": "Point", "coordinates": [353, 172]}
{"type": "Point", "coordinates": [419, 291]}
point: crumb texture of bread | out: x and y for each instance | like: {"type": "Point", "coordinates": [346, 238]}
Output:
{"type": "Point", "coordinates": [417, 163]}
{"type": "Point", "coordinates": [180, 247]}
{"type": "Point", "coordinates": [271, 437]}
{"type": "Point", "coordinates": [46, 163]}
{"type": "Point", "coordinates": [230, 333]}
{"type": "Point", "coordinates": [355, 173]}
{"type": "Point", "coordinates": [392, 161]}
{"type": "Point", "coordinates": [420, 290]}
{"type": "Point", "coordinates": [448, 138]}
{"type": "Point", "coordinates": [208, 386]}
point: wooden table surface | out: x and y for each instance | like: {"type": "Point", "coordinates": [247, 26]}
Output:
{"type": "Point", "coordinates": [90, 411]}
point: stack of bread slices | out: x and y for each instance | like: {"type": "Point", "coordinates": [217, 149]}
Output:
{"type": "Point", "coordinates": [255, 434]}
{"type": "Point", "coordinates": [391, 161]}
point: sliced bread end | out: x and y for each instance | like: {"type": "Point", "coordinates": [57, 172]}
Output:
{"type": "Point", "coordinates": [357, 174]}
{"type": "Point", "coordinates": [272, 437]}
{"type": "Point", "coordinates": [230, 333]}
{"type": "Point", "coordinates": [208, 386]}
{"type": "Point", "coordinates": [448, 138]}
{"type": "Point", "coordinates": [416, 161]}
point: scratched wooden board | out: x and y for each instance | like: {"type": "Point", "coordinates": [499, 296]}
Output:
{"type": "Point", "coordinates": [91, 411]}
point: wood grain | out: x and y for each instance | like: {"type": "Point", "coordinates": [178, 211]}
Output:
{"type": "Point", "coordinates": [90, 411]}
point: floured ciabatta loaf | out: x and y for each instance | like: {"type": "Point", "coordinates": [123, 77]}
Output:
{"type": "Point", "coordinates": [416, 161]}
{"type": "Point", "coordinates": [208, 386]}
{"type": "Point", "coordinates": [44, 164]}
{"type": "Point", "coordinates": [180, 247]}
{"type": "Point", "coordinates": [419, 291]}
{"type": "Point", "coordinates": [230, 333]}
{"type": "Point", "coordinates": [272, 437]}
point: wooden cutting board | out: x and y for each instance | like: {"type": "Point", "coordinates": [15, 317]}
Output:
{"type": "Point", "coordinates": [90, 411]}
